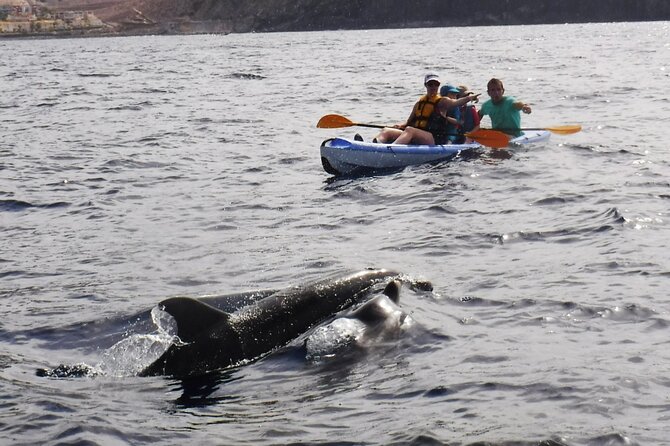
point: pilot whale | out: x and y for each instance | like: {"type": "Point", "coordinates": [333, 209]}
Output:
{"type": "Point", "coordinates": [211, 339]}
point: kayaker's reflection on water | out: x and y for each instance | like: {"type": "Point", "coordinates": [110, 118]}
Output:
{"type": "Point", "coordinates": [486, 155]}
{"type": "Point", "coordinates": [495, 155]}
{"type": "Point", "coordinates": [426, 123]}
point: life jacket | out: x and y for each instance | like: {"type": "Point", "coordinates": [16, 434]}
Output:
{"type": "Point", "coordinates": [426, 116]}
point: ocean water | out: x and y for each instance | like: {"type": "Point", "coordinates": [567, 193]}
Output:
{"type": "Point", "coordinates": [137, 168]}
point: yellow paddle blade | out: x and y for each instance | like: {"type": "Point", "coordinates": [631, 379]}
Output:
{"type": "Point", "coordinates": [490, 138]}
{"type": "Point", "coordinates": [334, 122]}
{"type": "Point", "coordinates": [565, 129]}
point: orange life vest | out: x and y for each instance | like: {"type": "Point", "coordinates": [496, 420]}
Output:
{"type": "Point", "coordinates": [424, 110]}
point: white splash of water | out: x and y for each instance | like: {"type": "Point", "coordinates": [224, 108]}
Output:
{"type": "Point", "coordinates": [133, 354]}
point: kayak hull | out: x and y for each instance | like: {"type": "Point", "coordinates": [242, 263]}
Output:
{"type": "Point", "coordinates": [341, 156]}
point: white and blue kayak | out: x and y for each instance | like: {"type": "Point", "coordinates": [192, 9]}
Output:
{"type": "Point", "coordinates": [340, 156]}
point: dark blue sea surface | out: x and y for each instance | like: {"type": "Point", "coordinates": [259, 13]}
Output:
{"type": "Point", "coordinates": [137, 168]}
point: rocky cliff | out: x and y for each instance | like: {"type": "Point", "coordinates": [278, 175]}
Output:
{"type": "Point", "coordinates": [174, 16]}
{"type": "Point", "coordinates": [294, 15]}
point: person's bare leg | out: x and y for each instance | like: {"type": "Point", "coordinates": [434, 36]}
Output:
{"type": "Point", "coordinates": [388, 135]}
{"type": "Point", "coordinates": [413, 135]}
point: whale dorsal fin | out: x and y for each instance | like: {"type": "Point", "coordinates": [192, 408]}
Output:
{"type": "Point", "coordinates": [193, 317]}
{"type": "Point", "coordinates": [392, 290]}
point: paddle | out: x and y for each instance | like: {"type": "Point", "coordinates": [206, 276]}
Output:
{"type": "Point", "coordinates": [337, 122]}
{"type": "Point", "coordinates": [560, 129]}
{"type": "Point", "coordinates": [489, 138]}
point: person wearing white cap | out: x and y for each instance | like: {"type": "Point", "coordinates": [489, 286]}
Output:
{"type": "Point", "coordinates": [426, 124]}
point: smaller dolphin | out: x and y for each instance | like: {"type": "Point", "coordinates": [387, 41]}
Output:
{"type": "Point", "coordinates": [377, 319]}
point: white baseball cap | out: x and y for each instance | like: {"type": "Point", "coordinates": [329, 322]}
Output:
{"type": "Point", "coordinates": [431, 77]}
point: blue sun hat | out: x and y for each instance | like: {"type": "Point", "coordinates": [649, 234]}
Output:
{"type": "Point", "coordinates": [448, 89]}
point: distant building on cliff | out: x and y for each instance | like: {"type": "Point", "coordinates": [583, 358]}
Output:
{"type": "Point", "coordinates": [15, 8]}
{"type": "Point", "coordinates": [24, 17]}
{"type": "Point", "coordinates": [15, 16]}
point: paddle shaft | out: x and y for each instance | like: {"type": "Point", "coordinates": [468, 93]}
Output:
{"type": "Point", "coordinates": [373, 126]}
{"type": "Point", "coordinates": [377, 126]}
{"type": "Point", "coordinates": [489, 138]}
{"type": "Point", "coordinates": [522, 129]}
{"type": "Point", "coordinates": [561, 129]}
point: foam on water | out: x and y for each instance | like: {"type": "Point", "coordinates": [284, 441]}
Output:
{"type": "Point", "coordinates": [133, 354]}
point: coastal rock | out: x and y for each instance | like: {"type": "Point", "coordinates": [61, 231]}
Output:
{"type": "Point", "coordinates": [177, 16]}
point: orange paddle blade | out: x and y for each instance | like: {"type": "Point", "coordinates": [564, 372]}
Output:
{"type": "Point", "coordinates": [334, 122]}
{"type": "Point", "coordinates": [490, 138]}
{"type": "Point", "coordinates": [565, 129]}
{"type": "Point", "coordinates": [337, 121]}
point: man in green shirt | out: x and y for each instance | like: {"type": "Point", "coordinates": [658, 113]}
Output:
{"type": "Point", "coordinates": [503, 110]}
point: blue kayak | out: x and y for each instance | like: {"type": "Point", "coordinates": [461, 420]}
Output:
{"type": "Point", "coordinates": [341, 156]}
